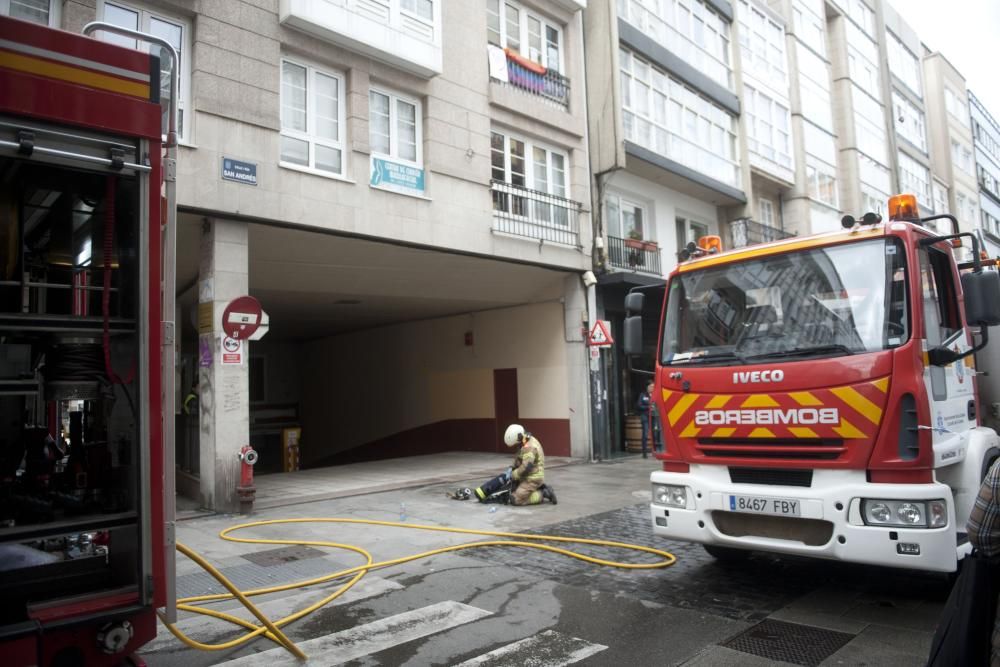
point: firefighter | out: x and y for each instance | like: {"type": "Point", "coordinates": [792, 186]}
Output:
{"type": "Point", "coordinates": [528, 470]}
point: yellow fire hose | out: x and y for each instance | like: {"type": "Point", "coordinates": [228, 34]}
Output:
{"type": "Point", "coordinates": [272, 629]}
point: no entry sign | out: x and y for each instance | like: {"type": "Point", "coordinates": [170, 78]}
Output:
{"type": "Point", "coordinates": [241, 317]}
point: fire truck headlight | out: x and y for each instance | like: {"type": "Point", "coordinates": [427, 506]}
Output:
{"type": "Point", "coordinates": [910, 514]}
{"type": "Point", "coordinates": [905, 513]}
{"type": "Point", "coordinates": [670, 495]}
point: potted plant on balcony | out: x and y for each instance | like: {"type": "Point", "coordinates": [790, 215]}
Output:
{"type": "Point", "coordinates": [634, 240]}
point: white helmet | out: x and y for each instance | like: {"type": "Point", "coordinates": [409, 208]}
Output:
{"type": "Point", "coordinates": [513, 435]}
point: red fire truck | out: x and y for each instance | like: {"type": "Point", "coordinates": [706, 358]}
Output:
{"type": "Point", "coordinates": [818, 395]}
{"type": "Point", "coordinates": [86, 266]}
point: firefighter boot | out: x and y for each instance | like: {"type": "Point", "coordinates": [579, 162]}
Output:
{"type": "Point", "coordinates": [549, 494]}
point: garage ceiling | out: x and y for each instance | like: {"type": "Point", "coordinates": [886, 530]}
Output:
{"type": "Point", "coordinates": [314, 285]}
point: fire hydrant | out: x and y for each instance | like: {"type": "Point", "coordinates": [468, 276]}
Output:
{"type": "Point", "coordinates": [246, 490]}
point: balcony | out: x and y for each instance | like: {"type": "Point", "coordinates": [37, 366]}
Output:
{"type": "Point", "coordinates": [379, 29]}
{"type": "Point", "coordinates": [528, 76]}
{"type": "Point", "coordinates": [745, 231]}
{"type": "Point", "coordinates": [634, 255]}
{"type": "Point", "coordinates": [535, 215]}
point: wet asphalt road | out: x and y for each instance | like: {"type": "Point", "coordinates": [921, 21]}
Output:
{"type": "Point", "coordinates": [501, 606]}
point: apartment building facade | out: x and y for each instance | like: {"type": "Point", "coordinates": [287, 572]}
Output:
{"type": "Point", "coordinates": [986, 138]}
{"type": "Point", "coordinates": [405, 187]}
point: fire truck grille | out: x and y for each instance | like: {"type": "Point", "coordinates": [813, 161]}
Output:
{"type": "Point", "coordinates": [770, 476]}
{"type": "Point", "coordinates": [811, 532]}
{"type": "Point", "coordinates": [814, 449]}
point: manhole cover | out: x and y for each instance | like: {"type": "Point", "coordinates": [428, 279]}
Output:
{"type": "Point", "coordinates": [789, 642]}
{"type": "Point", "coordinates": [273, 557]}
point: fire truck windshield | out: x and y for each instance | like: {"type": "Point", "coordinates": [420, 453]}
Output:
{"type": "Point", "coordinates": [833, 300]}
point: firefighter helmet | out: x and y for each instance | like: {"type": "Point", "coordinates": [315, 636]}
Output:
{"type": "Point", "coordinates": [513, 435]}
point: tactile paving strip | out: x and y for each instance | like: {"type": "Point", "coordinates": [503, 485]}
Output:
{"type": "Point", "coordinates": [789, 642]}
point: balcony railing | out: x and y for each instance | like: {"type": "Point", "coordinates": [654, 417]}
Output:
{"type": "Point", "coordinates": [642, 256]}
{"type": "Point", "coordinates": [533, 214]}
{"type": "Point", "coordinates": [537, 80]}
{"type": "Point", "coordinates": [746, 232]}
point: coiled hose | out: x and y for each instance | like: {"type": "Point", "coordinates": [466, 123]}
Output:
{"type": "Point", "coordinates": [272, 629]}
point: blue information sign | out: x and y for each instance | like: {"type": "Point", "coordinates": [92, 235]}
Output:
{"type": "Point", "coordinates": [397, 177]}
{"type": "Point", "coordinates": [241, 172]}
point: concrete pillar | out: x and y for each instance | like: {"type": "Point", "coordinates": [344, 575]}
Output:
{"type": "Point", "coordinates": [224, 388]}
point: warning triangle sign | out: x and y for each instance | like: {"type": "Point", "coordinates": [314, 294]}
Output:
{"type": "Point", "coordinates": [600, 335]}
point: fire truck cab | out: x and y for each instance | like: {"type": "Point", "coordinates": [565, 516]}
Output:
{"type": "Point", "coordinates": [818, 395]}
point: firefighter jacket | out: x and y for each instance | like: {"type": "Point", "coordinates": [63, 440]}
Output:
{"type": "Point", "coordinates": [529, 464]}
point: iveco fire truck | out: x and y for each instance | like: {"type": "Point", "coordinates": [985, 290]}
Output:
{"type": "Point", "coordinates": [86, 260]}
{"type": "Point", "coordinates": [818, 395]}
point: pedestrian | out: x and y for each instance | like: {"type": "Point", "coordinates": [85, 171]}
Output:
{"type": "Point", "coordinates": [984, 534]}
{"type": "Point", "coordinates": [191, 400]}
{"type": "Point", "coordinates": [646, 410]}
{"type": "Point", "coordinates": [528, 470]}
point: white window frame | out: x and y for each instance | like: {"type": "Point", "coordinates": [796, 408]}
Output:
{"type": "Point", "coordinates": [523, 14]}
{"type": "Point", "coordinates": [763, 110]}
{"type": "Point", "coordinates": [623, 201]}
{"type": "Point", "coordinates": [906, 116]}
{"type": "Point", "coordinates": [804, 17]}
{"type": "Point", "coordinates": [961, 157]}
{"type": "Point", "coordinates": [956, 106]}
{"type": "Point", "coordinates": [146, 12]}
{"type": "Point", "coordinates": [55, 11]}
{"type": "Point", "coordinates": [815, 169]}
{"type": "Point", "coordinates": [914, 177]}
{"type": "Point", "coordinates": [418, 17]}
{"type": "Point", "coordinates": [940, 197]}
{"type": "Point", "coordinates": [765, 209]}
{"type": "Point", "coordinates": [418, 116]}
{"type": "Point", "coordinates": [758, 27]}
{"type": "Point", "coordinates": [529, 176]}
{"type": "Point", "coordinates": [903, 63]}
{"type": "Point", "coordinates": [185, 129]}
{"type": "Point", "coordinates": [309, 136]}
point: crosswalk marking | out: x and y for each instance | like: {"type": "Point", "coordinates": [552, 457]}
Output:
{"type": "Point", "coordinates": [357, 642]}
{"type": "Point", "coordinates": [546, 649]}
{"type": "Point", "coordinates": [204, 627]}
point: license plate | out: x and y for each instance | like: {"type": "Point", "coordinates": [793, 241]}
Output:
{"type": "Point", "coordinates": [765, 505]}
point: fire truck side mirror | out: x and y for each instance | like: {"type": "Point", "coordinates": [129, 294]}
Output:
{"type": "Point", "coordinates": [982, 298]}
{"type": "Point", "coordinates": [634, 302]}
{"type": "Point", "coordinates": [633, 335]}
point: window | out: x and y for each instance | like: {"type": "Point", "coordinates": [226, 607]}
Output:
{"type": "Point", "coordinates": [394, 126]}
{"type": "Point", "coordinates": [666, 117]}
{"type": "Point", "coordinates": [767, 126]}
{"type": "Point", "coordinates": [909, 121]}
{"type": "Point", "coordinates": [422, 9]}
{"type": "Point", "coordinates": [869, 126]}
{"type": "Point", "coordinates": [961, 157]}
{"type": "Point", "coordinates": [689, 231]}
{"type": "Point", "coordinates": [956, 106]}
{"type": "Point", "coordinates": [175, 31]}
{"type": "Point", "coordinates": [940, 198]}
{"type": "Point", "coordinates": [36, 11]}
{"type": "Point", "coordinates": [822, 180]}
{"type": "Point", "coordinates": [991, 224]}
{"type": "Point", "coordinates": [862, 15]}
{"type": "Point", "coordinates": [989, 182]}
{"type": "Point", "coordinates": [814, 88]}
{"type": "Point", "coordinates": [625, 218]}
{"type": "Point", "coordinates": [986, 141]}
{"type": "Point", "coordinates": [762, 44]}
{"type": "Point", "coordinates": [765, 209]}
{"type": "Point", "coordinates": [966, 207]}
{"type": "Point", "coordinates": [312, 118]}
{"type": "Point", "coordinates": [862, 60]}
{"type": "Point", "coordinates": [538, 39]}
{"type": "Point", "coordinates": [690, 29]}
{"type": "Point", "coordinates": [528, 166]}
{"type": "Point", "coordinates": [810, 24]}
{"type": "Point", "coordinates": [914, 177]}
{"type": "Point", "coordinates": [938, 290]}
{"type": "Point", "coordinates": [903, 63]}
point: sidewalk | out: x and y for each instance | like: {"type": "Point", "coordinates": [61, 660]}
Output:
{"type": "Point", "coordinates": [355, 479]}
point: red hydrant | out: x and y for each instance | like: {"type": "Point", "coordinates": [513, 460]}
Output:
{"type": "Point", "coordinates": [246, 490]}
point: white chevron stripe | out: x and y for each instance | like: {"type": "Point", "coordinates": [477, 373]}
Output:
{"type": "Point", "coordinates": [546, 649]}
{"type": "Point", "coordinates": [357, 642]}
{"type": "Point", "coordinates": [208, 629]}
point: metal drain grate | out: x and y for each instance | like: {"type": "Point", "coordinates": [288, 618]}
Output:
{"type": "Point", "coordinates": [272, 557]}
{"type": "Point", "coordinates": [789, 642]}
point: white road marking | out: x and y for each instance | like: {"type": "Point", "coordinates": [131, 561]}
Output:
{"type": "Point", "coordinates": [207, 628]}
{"type": "Point", "coordinates": [357, 642]}
{"type": "Point", "coordinates": [546, 649]}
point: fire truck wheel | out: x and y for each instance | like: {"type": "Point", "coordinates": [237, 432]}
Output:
{"type": "Point", "coordinates": [726, 554]}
